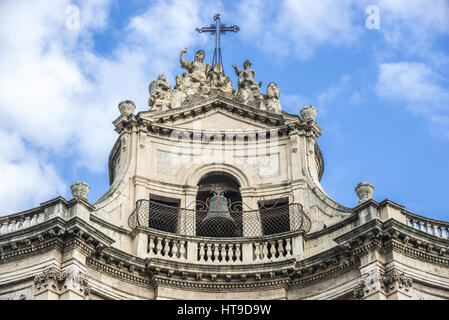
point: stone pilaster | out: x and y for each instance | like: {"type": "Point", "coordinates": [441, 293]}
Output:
{"type": "Point", "coordinates": [252, 222]}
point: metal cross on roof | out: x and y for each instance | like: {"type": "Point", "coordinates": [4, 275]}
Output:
{"type": "Point", "coordinates": [217, 30]}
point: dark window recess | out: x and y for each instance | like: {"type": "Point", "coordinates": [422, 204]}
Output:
{"type": "Point", "coordinates": [275, 216]}
{"type": "Point", "coordinates": [164, 214]}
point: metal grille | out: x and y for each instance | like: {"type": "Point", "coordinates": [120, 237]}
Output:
{"type": "Point", "coordinates": [182, 221]}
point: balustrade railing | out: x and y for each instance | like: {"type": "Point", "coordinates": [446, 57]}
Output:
{"type": "Point", "coordinates": [434, 227]}
{"type": "Point", "coordinates": [173, 233]}
{"type": "Point", "coordinates": [271, 249]}
{"type": "Point", "coordinates": [19, 221]}
{"type": "Point", "coordinates": [166, 246]}
{"type": "Point", "coordinates": [215, 252]}
{"type": "Point", "coordinates": [203, 250]}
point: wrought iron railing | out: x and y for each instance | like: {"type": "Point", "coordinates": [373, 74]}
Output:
{"type": "Point", "coordinates": [244, 223]}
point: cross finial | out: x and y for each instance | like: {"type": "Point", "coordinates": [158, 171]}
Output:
{"type": "Point", "coordinates": [217, 30]}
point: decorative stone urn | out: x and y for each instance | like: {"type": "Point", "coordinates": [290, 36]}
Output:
{"type": "Point", "coordinates": [80, 189]}
{"type": "Point", "coordinates": [126, 107]}
{"type": "Point", "coordinates": [308, 113]}
{"type": "Point", "coordinates": [364, 191]}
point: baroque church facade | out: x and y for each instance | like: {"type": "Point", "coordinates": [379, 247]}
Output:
{"type": "Point", "coordinates": [215, 194]}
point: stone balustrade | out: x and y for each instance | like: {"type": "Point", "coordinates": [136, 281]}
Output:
{"type": "Point", "coordinates": [272, 249]}
{"type": "Point", "coordinates": [19, 221]}
{"type": "Point", "coordinates": [226, 251]}
{"type": "Point", "coordinates": [436, 228]}
{"type": "Point", "coordinates": [55, 208]}
{"type": "Point", "coordinates": [164, 246]}
{"type": "Point", "coordinates": [214, 251]}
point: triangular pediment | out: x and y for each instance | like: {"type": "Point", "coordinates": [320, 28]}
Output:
{"type": "Point", "coordinates": [220, 120]}
{"type": "Point", "coordinates": [220, 113]}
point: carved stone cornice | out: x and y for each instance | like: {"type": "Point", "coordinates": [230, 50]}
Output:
{"type": "Point", "coordinates": [30, 247]}
{"type": "Point", "coordinates": [239, 285]}
{"type": "Point", "coordinates": [121, 265]}
{"type": "Point", "coordinates": [377, 235]}
{"type": "Point", "coordinates": [156, 123]}
{"type": "Point", "coordinates": [55, 233]}
{"type": "Point", "coordinates": [308, 273]}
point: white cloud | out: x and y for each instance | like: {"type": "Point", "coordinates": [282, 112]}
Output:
{"type": "Point", "coordinates": [419, 88]}
{"type": "Point", "coordinates": [60, 96]}
{"type": "Point", "coordinates": [412, 26]}
{"type": "Point", "coordinates": [298, 28]}
{"type": "Point", "coordinates": [26, 179]}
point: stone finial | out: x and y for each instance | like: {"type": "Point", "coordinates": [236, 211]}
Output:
{"type": "Point", "coordinates": [126, 107]}
{"type": "Point", "coordinates": [364, 191]}
{"type": "Point", "coordinates": [308, 113]}
{"type": "Point", "coordinates": [80, 189]}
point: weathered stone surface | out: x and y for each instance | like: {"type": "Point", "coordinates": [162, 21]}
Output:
{"type": "Point", "coordinates": [364, 191]}
{"type": "Point", "coordinates": [271, 162]}
{"type": "Point", "coordinates": [308, 113]}
{"type": "Point", "coordinates": [79, 189]}
{"type": "Point", "coordinates": [126, 107]}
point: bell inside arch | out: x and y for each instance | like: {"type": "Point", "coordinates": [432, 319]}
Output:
{"type": "Point", "coordinates": [218, 208]}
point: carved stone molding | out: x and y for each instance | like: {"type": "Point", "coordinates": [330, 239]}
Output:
{"type": "Point", "coordinates": [60, 281]}
{"type": "Point", "coordinates": [387, 283]}
{"type": "Point", "coordinates": [370, 283]}
{"type": "Point", "coordinates": [49, 279]}
{"type": "Point", "coordinates": [359, 290]}
{"type": "Point", "coordinates": [76, 281]}
{"type": "Point", "coordinates": [396, 280]}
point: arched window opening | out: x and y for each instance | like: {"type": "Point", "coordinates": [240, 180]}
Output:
{"type": "Point", "coordinates": [218, 206]}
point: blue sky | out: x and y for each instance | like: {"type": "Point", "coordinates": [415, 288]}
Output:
{"type": "Point", "coordinates": [382, 94]}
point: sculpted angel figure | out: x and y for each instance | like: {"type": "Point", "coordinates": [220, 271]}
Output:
{"type": "Point", "coordinates": [272, 98]}
{"type": "Point", "coordinates": [198, 70]}
{"type": "Point", "coordinates": [159, 93]}
{"type": "Point", "coordinates": [218, 80]}
{"type": "Point", "coordinates": [248, 91]}
{"type": "Point", "coordinates": [246, 76]}
{"type": "Point", "coordinates": [179, 94]}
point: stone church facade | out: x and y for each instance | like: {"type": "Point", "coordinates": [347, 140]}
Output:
{"type": "Point", "coordinates": [215, 194]}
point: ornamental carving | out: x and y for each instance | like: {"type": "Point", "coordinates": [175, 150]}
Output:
{"type": "Point", "coordinates": [62, 280]}
{"type": "Point", "coordinates": [202, 80]}
{"type": "Point", "coordinates": [369, 284]}
{"type": "Point", "coordinates": [79, 189]}
{"type": "Point", "coordinates": [395, 280]}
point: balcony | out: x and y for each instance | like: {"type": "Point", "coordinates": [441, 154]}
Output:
{"type": "Point", "coordinates": [258, 236]}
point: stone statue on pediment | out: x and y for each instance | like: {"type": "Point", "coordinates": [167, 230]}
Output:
{"type": "Point", "coordinates": [246, 76]}
{"type": "Point", "coordinates": [248, 89]}
{"type": "Point", "coordinates": [159, 93]}
{"type": "Point", "coordinates": [198, 69]}
{"type": "Point", "coordinates": [179, 93]}
{"type": "Point", "coordinates": [218, 80]}
{"type": "Point", "coordinates": [271, 99]}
